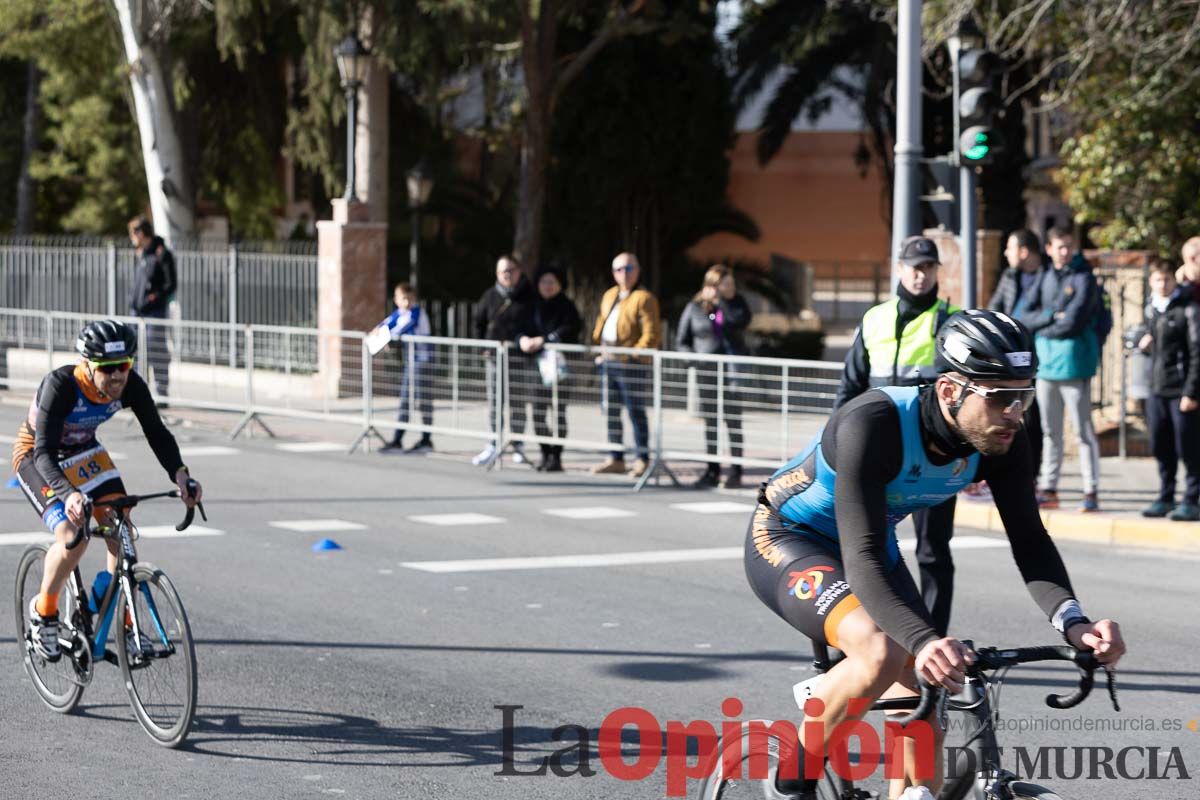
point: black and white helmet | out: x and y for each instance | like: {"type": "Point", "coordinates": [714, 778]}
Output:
{"type": "Point", "coordinates": [106, 340]}
{"type": "Point", "coordinates": [985, 345]}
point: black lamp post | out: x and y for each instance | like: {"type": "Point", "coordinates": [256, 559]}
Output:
{"type": "Point", "coordinates": [420, 185]}
{"type": "Point", "coordinates": [353, 61]}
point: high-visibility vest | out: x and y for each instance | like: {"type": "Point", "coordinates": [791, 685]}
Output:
{"type": "Point", "coordinates": [910, 361]}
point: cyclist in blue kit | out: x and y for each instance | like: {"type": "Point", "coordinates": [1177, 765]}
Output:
{"type": "Point", "coordinates": [59, 461]}
{"type": "Point", "coordinates": [822, 553]}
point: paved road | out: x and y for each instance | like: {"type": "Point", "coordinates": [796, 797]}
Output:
{"type": "Point", "coordinates": [368, 672]}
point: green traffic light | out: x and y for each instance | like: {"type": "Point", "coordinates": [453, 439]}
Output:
{"type": "Point", "coordinates": [976, 144]}
{"type": "Point", "coordinates": [979, 150]}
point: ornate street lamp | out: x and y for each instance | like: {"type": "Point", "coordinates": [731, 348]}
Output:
{"type": "Point", "coordinates": [420, 185]}
{"type": "Point", "coordinates": [353, 62]}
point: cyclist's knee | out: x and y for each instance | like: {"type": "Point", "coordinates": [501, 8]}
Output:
{"type": "Point", "coordinates": [871, 649]}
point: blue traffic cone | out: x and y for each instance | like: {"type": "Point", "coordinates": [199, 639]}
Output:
{"type": "Point", "coordinates": [326, 544]}
{"type": "Point", "coordinates": [13, 483]}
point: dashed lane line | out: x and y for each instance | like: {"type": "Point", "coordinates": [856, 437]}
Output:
{"type": "Point", "coordinates": [322, 525]}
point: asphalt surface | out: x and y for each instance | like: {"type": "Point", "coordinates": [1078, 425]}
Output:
{"type": "Point", "coordinates": [347, 673]}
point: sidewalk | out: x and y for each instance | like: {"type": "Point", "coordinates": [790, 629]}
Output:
{"type": "Point", "coordinates": [1126, 487]}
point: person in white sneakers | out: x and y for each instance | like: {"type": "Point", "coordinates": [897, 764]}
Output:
{"type": "Point", "coordinates": [496, 317]}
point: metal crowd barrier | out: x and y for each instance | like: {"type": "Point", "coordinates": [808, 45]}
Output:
{"type": "Point", "coordinates": [716, 409]}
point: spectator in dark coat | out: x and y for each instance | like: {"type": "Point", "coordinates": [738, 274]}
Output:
{"type": "Point", "coordinates": [1173, 410]}
{"type": "Point", "coordinates": [154, 284]}
{"type": "Point", "coordinates": [495, 317]}
{"type": "Point", "coordinates": [1019, 284]}
{"type": "Point", "coordinates": [715, 322]}
{"type": "Point", "coordinates": [552, 319]}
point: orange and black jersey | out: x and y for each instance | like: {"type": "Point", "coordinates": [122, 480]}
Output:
{"type": "Point", "coordinates": [64, 416]}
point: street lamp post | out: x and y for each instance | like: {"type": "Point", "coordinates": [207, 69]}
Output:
{"type": "Point", "coordinates": [420, 185]}
{"type": "Point", "coordinates": [353, 61]}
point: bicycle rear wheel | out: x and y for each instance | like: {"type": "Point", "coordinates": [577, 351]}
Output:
{"type": "Point", "coordinates": [160, 674]}
{"type": "Point", "coordinates": [59, 684]}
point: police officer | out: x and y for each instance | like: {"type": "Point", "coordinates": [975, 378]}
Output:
{"type": "Point", "coordinates": [894, 346]}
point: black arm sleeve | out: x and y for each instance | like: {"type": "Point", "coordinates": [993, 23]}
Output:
{"type": "Point", "coordinates": [568, 329]}
{"type": "Point", "coordinates": [1191, 382]}
{"type": "Point", "coordinates": [1010, 477]}
{"type": "Point", "coordinates": [866, 445]}
{"type": "Point", "coordinates": [683, 334]}
{"type": "Point", "coordinates": [55, 401]}
{"type": "Point", "coordinates": [137, 397]}
{"type": "Point", "coordinates": [480, 316]}
{"type": "Point", "coordinates": [737, 312]}
{"type": "Point", "coordinates": [856, 377]}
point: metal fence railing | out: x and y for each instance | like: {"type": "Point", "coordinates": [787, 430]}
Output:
{"type": "Point", "coordinates": [659, 405]}
{"type": "Point", "coordinates": [481, 392]}
{"type": "Point", "coordinates": [267, 283]}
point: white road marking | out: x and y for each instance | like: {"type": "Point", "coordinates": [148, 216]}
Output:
{"type": "Point", "coordinates": [962, 543]}
{"type": "Point", "coordinates": [207, 450]}
{"type": "Point", "coordinates": [448, 520]}
{"type": "Point", "coordinates": [26, 537]}
{"type": "Point", "coordinates": [147, 531]}
{"type": "Point", "coordinates": [719, 507]}
{"type": "Point", "coordinates": [646, 557]}
{"type": "Point", "coordinates": [589, 512]}
{"type": "Point", "coordinates": [6, 439]}
{"type": "Point", "coordinates": [311, 525]}
{"type": "Point", "coordinates": [310, 447]}
{"type": "Point", "coordinates": [592, 560]}
{"type": "Point", "coordinates": [169, 532]}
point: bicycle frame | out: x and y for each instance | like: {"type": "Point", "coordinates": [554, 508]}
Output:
{"type": "Point", "coordinates": [106, 607]}
{"type": "Point", "coordinates": [977, 772]}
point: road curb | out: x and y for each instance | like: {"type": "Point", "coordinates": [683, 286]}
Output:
{"type": "Point", "coordinates": [1157, 534]}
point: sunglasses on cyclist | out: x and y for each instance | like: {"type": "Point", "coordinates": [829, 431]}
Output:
{"type": "Point", "coordinates": [1000, 399]}
{"type": "Point", "coordinates": [626, 268]}
{"type": "Point", "coordinates": [110, 367]}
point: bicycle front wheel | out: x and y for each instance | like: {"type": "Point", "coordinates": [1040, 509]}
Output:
{"type": "Point", "coordinates": [159, 663]}
{"type": "Point", "coordinates": [59, 683]}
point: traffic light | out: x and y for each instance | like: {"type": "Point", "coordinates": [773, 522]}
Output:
{"type": "Point", "coordinates": [978, 104]}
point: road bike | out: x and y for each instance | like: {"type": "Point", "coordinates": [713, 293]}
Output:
{"type": "Point", "coordinates": [152, 643]}
{"type": "Point", "coordinates": [977, 773]}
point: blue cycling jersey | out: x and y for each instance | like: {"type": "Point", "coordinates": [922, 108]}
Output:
{"type": "Point", "coordinates": [803, 489]}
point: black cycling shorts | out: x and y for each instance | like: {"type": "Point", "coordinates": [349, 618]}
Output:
{"type": "Point", "coordinates": [91, 472]}
{"type": "Point", "coordinates": [801, 578]}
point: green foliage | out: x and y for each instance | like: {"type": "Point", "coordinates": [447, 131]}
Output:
{"type": "Point", "coordinates": [88, 164]}
{"type": "Point", "coordinates": [640, 158]}
{"type": "Point", "coordinates": [1137, 174]}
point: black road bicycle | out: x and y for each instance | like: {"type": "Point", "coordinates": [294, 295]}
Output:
{"type": "Point", "coordinates": [152, 639]}
{"type": "Point", "coordinates": [977, 775]}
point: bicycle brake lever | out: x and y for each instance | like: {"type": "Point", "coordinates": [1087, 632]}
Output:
{"type": "Point", "coordinates": [203, 516]}
{"type": "Point", "coordinates": [1112, 687]}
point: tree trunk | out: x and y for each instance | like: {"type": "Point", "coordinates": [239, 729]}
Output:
{"type": "Point", "coordinates": [167, 177]}
{"type": "Point", "coordinates": [531, 191]}
{"type": "Point", "coordinates": [31, 135]}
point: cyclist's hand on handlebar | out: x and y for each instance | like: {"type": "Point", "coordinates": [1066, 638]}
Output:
{"type": "Point", "coordinates": [189, 496]}
{"type": "Point", "coordinates": [75, 503]}
{"type": "Point", "coordinates": [1103, 638]}
{"type": "Point", "coordinates": [943, 662]}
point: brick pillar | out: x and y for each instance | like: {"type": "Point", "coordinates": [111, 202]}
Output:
{"type": "Point", "coordinates": [352, 290]}
{"type": "Point", "coordinates": [987, 265]}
